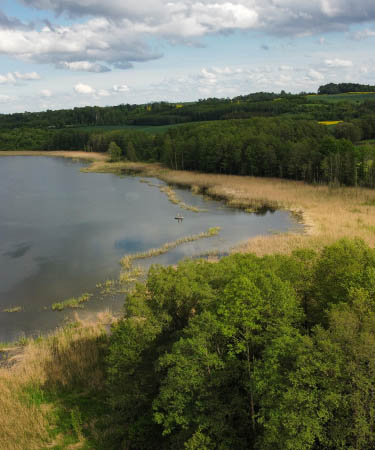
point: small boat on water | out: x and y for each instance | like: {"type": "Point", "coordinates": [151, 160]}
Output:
{"type": "Point", "coordinates": [179, 217]}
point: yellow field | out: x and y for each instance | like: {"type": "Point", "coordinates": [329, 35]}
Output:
{"type": "Point", "coordinates": [330, 122]}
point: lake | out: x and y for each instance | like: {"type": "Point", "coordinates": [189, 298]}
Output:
{"type": "Point", "coordinates": [63, 231]}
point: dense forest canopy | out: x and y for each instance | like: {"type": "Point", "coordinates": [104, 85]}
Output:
{"type": "Point", "coordinates": [249, 353]}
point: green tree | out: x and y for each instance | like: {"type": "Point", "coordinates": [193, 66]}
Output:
{"type": "Point", "coordinates": [114, 151]}
{"type": "Point", "coordinates": [130, 152]}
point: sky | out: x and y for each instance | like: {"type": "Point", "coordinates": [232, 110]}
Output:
{"type": "Point", "coordinates": [68, 53]}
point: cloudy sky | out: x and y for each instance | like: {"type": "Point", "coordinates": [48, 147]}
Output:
{"type": "Point", "coordinates": [65, 53]}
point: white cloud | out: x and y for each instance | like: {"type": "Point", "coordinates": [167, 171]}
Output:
{"type": "Point", "coordinates": [197, 17]}
{"type": "Point", "coordinates": [84, 89]}
{"type": "Point", "coordinates": [120, 88]}
{"type": "Point", "coordinates": [8, 78]}
{"type": "Point", "coordinates": [338, 62]}
{"type": "Point", "coordinates": [27, 76]}
{"type": "Point", "coordinates": [82, 66]}
{"type": "Point", "coordinates": [102, 93]}
{"type": "Point", "coordinates": [13, 77]}
{"type": "Point", "coordinates": [315, 75]}
{"type": "Point", "coordinates": [114, 33]}
{"type": "Point", "coordinates": [46, 93]}
{"type": "Point", "coordinates": [78, 47]}
{"type": "Point", "coordinates": [363, 34]}
{"type": "Point", "coordinates": [5, 98]}
{"type": "Point", "coordinates": [231, 81]}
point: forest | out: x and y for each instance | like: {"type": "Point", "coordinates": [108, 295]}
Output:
{"type": "Point", "coordinates": [298, 106]}
{"type": "Point", "coordinates": [282, 135]}
{"type": "Point", "coordinates": [272, 352]}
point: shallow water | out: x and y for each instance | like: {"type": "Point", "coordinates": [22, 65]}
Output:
{"type": "Point", "coordinates": [63, 231]}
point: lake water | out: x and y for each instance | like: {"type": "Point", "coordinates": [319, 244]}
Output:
{"type": "Point", "coordinates": [63, 231]}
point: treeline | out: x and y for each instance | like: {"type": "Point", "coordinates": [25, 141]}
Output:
{"type": "Point", "coordinates": [271, 147]}
{"type": "Point", "coordinates": [249, 353]}
{"type": "Point", "coordinates": [298, 106]}
{"type": "Point", "coordinates": [342, 88]}
{"type": "Point", "coordinates": [301, 150]}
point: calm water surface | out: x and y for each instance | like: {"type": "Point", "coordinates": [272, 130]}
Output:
{"type": "Point", "coordinates": [63, 231]}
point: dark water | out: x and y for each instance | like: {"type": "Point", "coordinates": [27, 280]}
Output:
{"type": "Point", "coordinates": [63, 231]}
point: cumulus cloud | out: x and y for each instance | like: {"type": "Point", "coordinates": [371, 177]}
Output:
{"type": "Point", "coordinates": [120, 88]}
{"type": "Point", "coordinates": [231, 81]}
{"type": "Point", "coordinates": [85, 89]}
{"type": "Point", "coordinates": [102, 93]}
{"type": "Point", "coordinates": [82, 66]}
{"type": "Point", "coordinates": [5, 98]}
{"type": "Point", "coordinates": [13, 77]}
{"type": "Point", "coordinates": [46, 93]}
{"type": "Point", "coordinates": [114, 33]}
{"type": "Point", "coordinates": [338, 62]}
{"type": "Point", "coordinates": [197, 17]}
{"type": "Point", "coordinates": [27, 76]}
{"type": "Point", "coordinates": [315, 75]}
{"type": "Point", "coordinates": [79, 46]}
{"type": "Point", "coordinates": [363, 34]}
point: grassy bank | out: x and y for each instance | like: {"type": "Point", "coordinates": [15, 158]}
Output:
{"type": "Point", "coordinates": [50, 389]}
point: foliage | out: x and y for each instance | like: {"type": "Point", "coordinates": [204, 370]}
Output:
{"type": "Point", "coordinates": [114, 151]}
{"type": "Point", "coordinates": [272, 352]}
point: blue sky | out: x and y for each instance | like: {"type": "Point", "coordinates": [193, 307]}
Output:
{"type": "Point", "coordinates": [66, 53]}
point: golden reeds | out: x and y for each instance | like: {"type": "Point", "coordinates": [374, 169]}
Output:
{"type": "Point", "coordinates": [328, 213]}
{"type": "Point", "coordinates": [127, 260]}
{"type": "Point", "coordinates": [13, 309]}
{"type": "Point", "coordinates": [71, 353]}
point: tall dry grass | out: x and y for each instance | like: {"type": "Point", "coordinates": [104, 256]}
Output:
{"type": "Point", "coordinates": [329, 213]}
{"type": "Point", "coordinates": [127, 260]}
{"type": "Point", "coordinates": [69, 357]}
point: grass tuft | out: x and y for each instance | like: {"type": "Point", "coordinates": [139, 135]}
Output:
{"type": "Point", "coordinates": [74, 302]}
{"type": "Point", "coordinates": [13, 309]}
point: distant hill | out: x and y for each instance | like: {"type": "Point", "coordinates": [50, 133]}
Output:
{"type": "Point", "coordinates": [343, 88]}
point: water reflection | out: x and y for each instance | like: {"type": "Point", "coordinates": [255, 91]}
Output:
{"type": "Point", "coordinates": [62, 231]}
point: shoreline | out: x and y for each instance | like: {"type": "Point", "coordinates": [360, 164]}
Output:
{"type": "Point", "coordinates": [327, 213]}
{"type": "Point", "coordinates": [75, 349]}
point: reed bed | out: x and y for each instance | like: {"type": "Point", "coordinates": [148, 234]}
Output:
{"type": "Point", "coordinates": [328, 213]}
{"type": "Point", "coordinates": [70, 355]}
{"type": "Point", "coordinates": [13, 309]}
{"type": "Point", "coordinates": [129, 277]}
{"type": "Point", "coordinates": [127, 260]}
{"type": "Point", "coordinates": [73, 302]}
{"type": "Point", "coordinates": [172, 196]}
